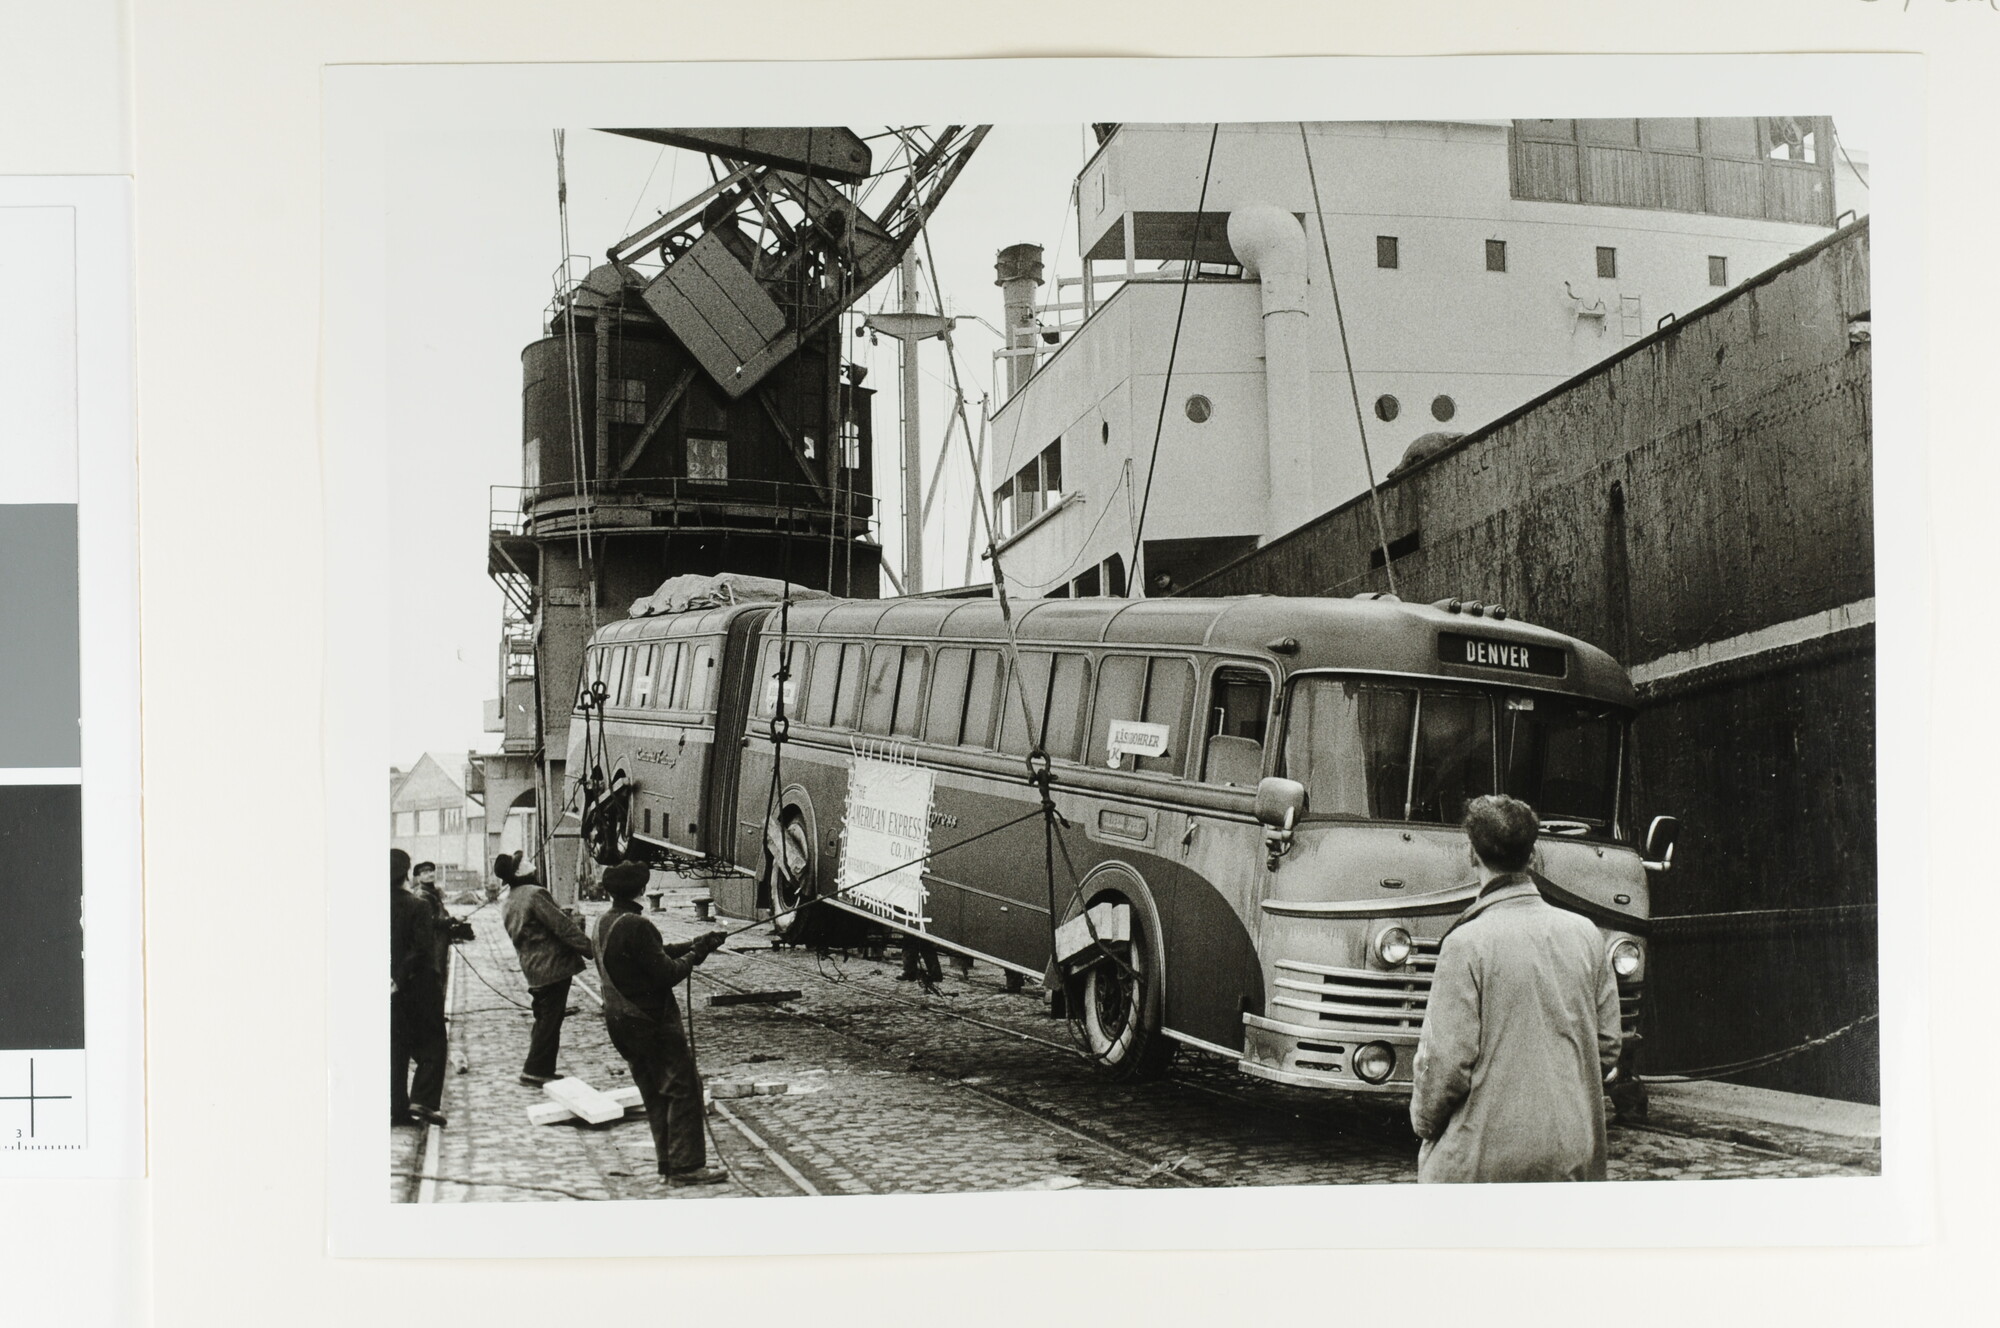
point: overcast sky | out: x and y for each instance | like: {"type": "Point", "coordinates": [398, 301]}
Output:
{"type": "Point", "coordinates": [474, 239]}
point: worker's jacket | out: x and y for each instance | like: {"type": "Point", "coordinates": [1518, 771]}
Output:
{"type": "Point", "coordinates": [552, 947]}
{"type": "Point", "coordinates": [1521, 1029]}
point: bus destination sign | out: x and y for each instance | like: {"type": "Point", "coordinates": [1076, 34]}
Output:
{"type": "Point", "coordinates": [1509, 656]}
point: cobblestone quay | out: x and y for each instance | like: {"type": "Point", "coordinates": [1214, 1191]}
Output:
{"type": "Point", "coordinates": [871, 1086]}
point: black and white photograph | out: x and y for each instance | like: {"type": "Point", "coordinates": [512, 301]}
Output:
{"type": "Point", "coordinates": [1145, 655]}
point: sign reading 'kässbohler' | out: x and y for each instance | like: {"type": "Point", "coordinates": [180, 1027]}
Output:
{"type": "Point", "coordinates": [888, 823]}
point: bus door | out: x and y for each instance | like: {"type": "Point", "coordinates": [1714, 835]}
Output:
{"type": "Point", "coordinates": [729, 699]}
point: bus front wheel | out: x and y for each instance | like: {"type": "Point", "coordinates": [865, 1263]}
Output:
{"type": "Point", "coordinates": [1118, 1008]}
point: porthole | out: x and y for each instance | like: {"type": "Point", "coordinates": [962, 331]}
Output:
{"type": "Point", "coordinates": [1387, 407]}
{"type": "Point", "coordinates": [1443, 408]}
{"type": "Point", "coordinates": [1199, 408]}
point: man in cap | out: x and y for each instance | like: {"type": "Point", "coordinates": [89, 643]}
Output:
{"type": "Point", "coordinates": [1522, 1026]}
{"type": "Point", "coordinates": [552, 950]}
{"type": "Point", "coordinates": [639, 972]}
{"type": "Point", "coordinates": [416, 1004]}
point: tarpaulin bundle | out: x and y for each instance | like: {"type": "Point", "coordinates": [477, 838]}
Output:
{"type": "Point", "coordinates": [680, 594]}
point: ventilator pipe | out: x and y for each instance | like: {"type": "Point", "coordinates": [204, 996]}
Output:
{"type": "Point", "coordinates": [1017, 271]}
{"type": "Point", "coordinates": [1270, 244]}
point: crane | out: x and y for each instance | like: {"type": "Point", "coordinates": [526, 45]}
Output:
{"type": "Point", "coordinates": [776, 249]}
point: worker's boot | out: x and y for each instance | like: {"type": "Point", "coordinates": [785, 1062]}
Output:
{"type": "Point", "coordinates": [696, 1176]}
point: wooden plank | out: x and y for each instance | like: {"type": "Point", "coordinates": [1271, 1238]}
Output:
{"type": "Point", "coordinates": [1111, 923]}
{"type": "Point", "coordinates": [583, 1100]}
{"type": "Point", "coordinates": [753, 998]}
{"type": "Point", "coordinates": [554, 1113]}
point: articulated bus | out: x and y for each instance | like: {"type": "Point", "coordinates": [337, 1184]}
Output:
{"type": "Point", "coordinates": [1260, 797]}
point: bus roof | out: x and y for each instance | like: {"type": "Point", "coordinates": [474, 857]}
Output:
{"type": "Point", "coordinates": [1374, 635]}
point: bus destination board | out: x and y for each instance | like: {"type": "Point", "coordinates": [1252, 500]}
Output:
{"type": "Point", "coordinates": [1508, 656]}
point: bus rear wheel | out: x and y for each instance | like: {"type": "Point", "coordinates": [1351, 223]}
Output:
{"type": "Point", "coordinates": [1118, 1011]}
{"type": "Point", "coordinates": [791, 864]}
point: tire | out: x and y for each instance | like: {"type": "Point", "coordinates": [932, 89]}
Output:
{"type": "Point", "coordinates": [792, 879]}
{"type": "Point", "coordinates": [608, 829]}
{"type": "Point", "coordinates": [1118, 1008]}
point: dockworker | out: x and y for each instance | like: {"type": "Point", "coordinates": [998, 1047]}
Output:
{"type": "Point", "coordinates": [639, 972]}
{"type": "Point", "coordinates": [552, 949]}
{"type": "Point", "coordinates": [416, 1004]}
{"type": "Point", "coordinates": [1522, 1028]}
{"type": "Point", "coordinates": [447, 930]}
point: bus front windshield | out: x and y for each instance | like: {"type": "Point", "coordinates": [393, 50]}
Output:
{"type": "Point", "coordinates": [1399, 751]}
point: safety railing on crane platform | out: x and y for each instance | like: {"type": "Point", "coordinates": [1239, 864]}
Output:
{"type": "Point", "coordinates": [513, 508]}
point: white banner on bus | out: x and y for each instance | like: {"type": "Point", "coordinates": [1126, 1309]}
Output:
{"type": "Point", "coordinates": [888, 834]}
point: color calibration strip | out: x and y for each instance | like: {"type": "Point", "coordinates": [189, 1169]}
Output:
{"type": "Point", "coordinates": [42, 986]}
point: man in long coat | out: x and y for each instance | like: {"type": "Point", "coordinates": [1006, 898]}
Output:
{"type": "Point", "coordinates": [552, 950]}
{"type": "Point", "coordinates": [416, 1004]}
{"type": "Point", "coordinates": [1522, 1026]}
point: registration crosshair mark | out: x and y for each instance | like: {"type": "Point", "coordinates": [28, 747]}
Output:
{"type": "Point", "coordinates": [31, 1097]}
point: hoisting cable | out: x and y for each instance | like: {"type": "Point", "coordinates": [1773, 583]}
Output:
{"type": "Point", "coordinates": [1347, 356]}
{"type": "Point", "coordinates": [1041, 775]}
{"type": "Point", "coordinates": [579, 483]}
{"type": "Point", "coordinates": [1757, 1062]}
{"type": "Point", "coordinates": [1139, 570]}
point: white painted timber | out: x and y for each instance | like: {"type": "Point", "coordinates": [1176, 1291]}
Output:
{"type": "Point", "coordinates": [554, 1113]}
{"type": "Point", "coordinates": [1111, 922]}
{"type": "Point", "coordinates": [593, 1105]}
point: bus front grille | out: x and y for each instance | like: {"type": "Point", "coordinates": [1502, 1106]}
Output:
{"type": "Point", "coordinates": [1363, 999]}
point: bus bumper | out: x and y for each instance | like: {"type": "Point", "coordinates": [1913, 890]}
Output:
{"type": "Point", "coordinates": [1321, 1057]}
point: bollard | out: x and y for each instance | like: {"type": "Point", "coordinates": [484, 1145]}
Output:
{"type": "Point", "coordinates": [701, 908]}
{"type": "Point", "coordinates": [655, 896]}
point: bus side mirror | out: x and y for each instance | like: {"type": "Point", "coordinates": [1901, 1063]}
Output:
{"type": "Point", "coordinates": [1280, 804]}
{"type": "Point", "coordinates": [1660, 836]}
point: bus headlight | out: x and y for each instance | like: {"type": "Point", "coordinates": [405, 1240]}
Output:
{"type": "Point", "coordinates": [1627, 958]}
{"type": "Point", "coordinates": [1374, 1061]}
{"type": "Point", "coordinates": [1392, 946]}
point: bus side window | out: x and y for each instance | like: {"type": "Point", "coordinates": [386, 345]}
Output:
{"type": "Point", "coordinates": [878, 704]}
{"type": "Point", "coordinates": [764, 700]}
{"type": "Point", "coordinates": [853, 678]}
{"type": "Point", "coordinates": [1239, 708]}
{"type": "Point", "coordinates": [1121, 695]}
{"type": "Point", "coordinates": [908, 721]}
{"type": "Point", "coordinates": [614, 685]}
{"type": "Point", "coordinates": [947, 709]}
{"type": "Point", "coordinates": [700, 673]}
{"type": "Point", "coordinates": [1169, 693]}
{"type": "Point", "coordinates": [1069, 689]}
{"type": "Point", "coordinates": [825, 684]}
{"type": "Point", "coordinates": [982, 691]}
{"type": "Point", "coordinates": [1033, 682]}
{"type": "Point", "coordinates": [767, 678]}
{"type": "Point", "coordinates": [643, 675]}
{"type": "Point", "coordinates": [671, 657]}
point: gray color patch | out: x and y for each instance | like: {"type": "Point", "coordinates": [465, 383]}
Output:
{"type": "Point", "coordinates": [39, 688]}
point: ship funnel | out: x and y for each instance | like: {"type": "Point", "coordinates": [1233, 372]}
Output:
{"type": "Point", "coordinates": [1017, 271]}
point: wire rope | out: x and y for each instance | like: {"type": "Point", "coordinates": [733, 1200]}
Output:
{"type": "Point", "coordinates": [1353, 388]}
